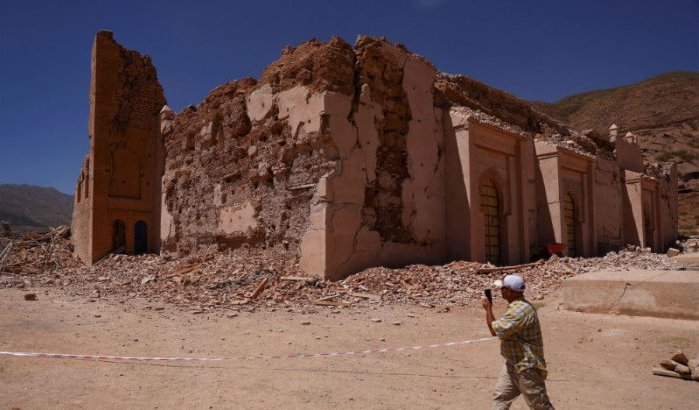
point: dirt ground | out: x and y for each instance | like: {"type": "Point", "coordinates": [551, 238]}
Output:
{"type": "Point", "coordinates": [595, 361]}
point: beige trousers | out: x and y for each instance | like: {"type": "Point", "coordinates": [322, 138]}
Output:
{"type": "Point", "coordinates": [528, 383]}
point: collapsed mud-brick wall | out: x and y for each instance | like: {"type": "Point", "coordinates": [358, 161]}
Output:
{"type": "Point", "coordinates": [384, 202]}
{"type": "Point", "coordinates": [333, 157]}
{"type": "Point", "coordinates": [242, 166]}
{"type": "Point", "coordinates": [510, 111]}
{"type": "Point", "coordinates": [117, 198]}
{"type": "Point", "coordinates": [336, 158]}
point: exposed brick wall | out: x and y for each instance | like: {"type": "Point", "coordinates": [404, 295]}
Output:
{"type": "Point", "coordinates": [383, 73]}
{"type": "Point", "coordinates": [218, 161]}
{"type": "Point", "coordinates": [122, 180]}
{"type": "Point", "coordinates": [82, 213]}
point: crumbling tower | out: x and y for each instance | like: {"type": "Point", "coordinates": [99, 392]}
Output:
{"type": "Point", "coordinates": [117, 198]}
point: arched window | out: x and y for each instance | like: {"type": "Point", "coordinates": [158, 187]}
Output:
{"type": "Point", "coordinates": [118, 236]}
{"type": "Point", "coordinates": [571, 227]}
{"type": "Point", "coordinates": [140, 238]}
{"type": "Point", "coordinates": [492, 213]}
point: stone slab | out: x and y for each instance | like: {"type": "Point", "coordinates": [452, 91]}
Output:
{"type": "Point", "coordinates": [687, 259]}
{"type": "Point", "coordinates": [670, 294]}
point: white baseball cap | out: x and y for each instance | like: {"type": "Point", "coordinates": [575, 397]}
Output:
{"type": "Point", "coordinates": [512, 282]}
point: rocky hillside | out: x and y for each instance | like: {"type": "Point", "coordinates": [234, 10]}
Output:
{"type": "Point", "coordinates": [662, 111]}
{"type": "Point", "coordinates": [30, 207]}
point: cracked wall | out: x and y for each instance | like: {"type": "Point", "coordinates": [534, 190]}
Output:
{"type": "Point", "coordinates": [242, 166]}
{"type": "Point", "coordinates": [384, 202]}
{"type": "Point", "coordinates": [334, 157]}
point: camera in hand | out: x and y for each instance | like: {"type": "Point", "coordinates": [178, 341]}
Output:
{"type": "Point", "coordinates": [489, 295]}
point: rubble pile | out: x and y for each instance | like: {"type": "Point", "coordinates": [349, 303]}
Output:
{"type": "Point", "coordinates": [689, 245]}
{"type": "Point", "coordinates": [658, 169]}
{"type": "Point", "coordinates": [250, 278]}
{"type": "Point", "coordinates": [35, 253]}
{"type": "Point", "coordinates": [679, 366]}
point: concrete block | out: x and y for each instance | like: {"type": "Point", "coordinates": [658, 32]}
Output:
{"type": "Point", "coordinates": [670, 294]}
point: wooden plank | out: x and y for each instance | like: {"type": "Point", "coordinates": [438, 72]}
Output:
{"type": "Point", "coordinates": [340, 303]}
{"type": "Point", "coordinates": [310, 279]}
{"type": "Point", "coordinates": [294, 188]}
{"type": "Point", "coordinates": [328, 297]}
{"type": "Point", "coordinates": [508, 268]}
{"type": "Point", "coordinates": [259, 288]}
{"type": "Point", "coordinates": [181, 270]}
{"type": "Point", "coordinates": [364, 295]}
{"type": "Point", "coordinates": [658, 371]}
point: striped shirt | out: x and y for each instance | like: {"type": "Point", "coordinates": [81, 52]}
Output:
{"type": "Point", "coordinates": [521, 343]}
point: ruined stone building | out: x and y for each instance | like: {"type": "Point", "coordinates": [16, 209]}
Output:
{"type": "Point", "coordinates": [344, 157]}
{"type": "Point", "coordinates": [117, 197]}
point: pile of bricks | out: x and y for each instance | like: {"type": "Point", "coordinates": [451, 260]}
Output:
{"type": "Point", "coordinates": [252, 279]}
{"type": "Point", "coordinates": [679, 366]}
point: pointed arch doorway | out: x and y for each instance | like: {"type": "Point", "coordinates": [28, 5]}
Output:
{"type": "Point", "coordinates": [140, 238]}
{"type": "Point", "coordinates": [119, 236]}
{"type": "Point", "coordinates": [492, 215]}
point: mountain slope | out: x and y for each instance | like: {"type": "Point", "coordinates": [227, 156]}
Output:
{"type": "Point", "coordinates": [666, 100]}
{"type": "Point", "coordinates": [662, 111]}
{"type": "Point", "coordinates": [34, 207]}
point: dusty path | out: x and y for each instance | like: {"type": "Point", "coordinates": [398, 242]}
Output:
{"type": "Point", "coordinates": [596, 361]}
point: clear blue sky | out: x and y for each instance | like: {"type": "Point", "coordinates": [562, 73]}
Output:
{"type": "Point", "coordinates": [536, 49]}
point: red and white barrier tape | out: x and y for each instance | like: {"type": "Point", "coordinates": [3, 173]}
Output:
{"type": "Point", "coordinates": [104, 357]}
{"type": "Point", "coordinates": [214, 359]}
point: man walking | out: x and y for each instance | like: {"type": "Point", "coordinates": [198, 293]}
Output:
{"type": "Point", "coordinates": [522, 347]}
